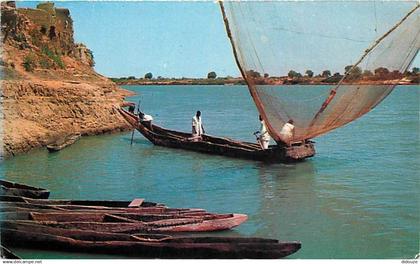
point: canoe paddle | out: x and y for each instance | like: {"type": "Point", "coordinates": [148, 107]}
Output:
{"type": "Point", "coordinates": [134, 129]}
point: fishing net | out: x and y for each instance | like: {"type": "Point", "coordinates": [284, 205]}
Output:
{"type": "Point", "coordinates": [340, 58]}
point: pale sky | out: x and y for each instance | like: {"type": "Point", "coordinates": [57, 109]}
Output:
{"type": "Point", "coordinates": [170, 39]}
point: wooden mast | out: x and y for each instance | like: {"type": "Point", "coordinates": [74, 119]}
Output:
{"type": "Point", "coordinates": [251, 88]}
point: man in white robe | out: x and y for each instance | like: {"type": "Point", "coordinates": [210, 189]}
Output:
{"type": "Point", "coordinates": [146, 120]}
{"type": "Point", "coordinates": [287, 132]}
{"type": "Point", "coordinates": [197, 126]}
{"type": "Point", "coordinates": [264, 138]}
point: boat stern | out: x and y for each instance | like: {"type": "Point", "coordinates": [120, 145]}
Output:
{"type": "Point", "coordinates": [300, 151]}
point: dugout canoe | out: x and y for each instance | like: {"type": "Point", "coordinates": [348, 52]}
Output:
{"type": "Point", "coordinates": [16, 189]}
{"type": "Point", "coordinates": [7, 253]}
{"type": "Point", "coordinates": [144, 245]}
{"type": "Point", "coordinates": [12, 207]}
{"type": "Point", "coordinates": [75, 204]}
{"type": "Point", "coordinates": [219, 146]}
{"type": "Point", "coordinates": [63, 142]}
{"type": "Point", "coordinates": [132, 222]}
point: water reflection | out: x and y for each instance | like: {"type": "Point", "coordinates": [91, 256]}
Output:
{"type": "Point", "coordinates": [285, 190]}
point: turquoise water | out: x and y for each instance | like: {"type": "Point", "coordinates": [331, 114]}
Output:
{"type": "Point", "coordinates": [357, 198]}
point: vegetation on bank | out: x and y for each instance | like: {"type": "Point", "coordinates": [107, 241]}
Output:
{"type": "Point", "coordinates": [148, 79]}
{"type": "Point", "coordinates": [380, 75]}
{"type": "Point", "coordinates": [131, 80]}
{"type": "Point", "coordinates": [351, 75]}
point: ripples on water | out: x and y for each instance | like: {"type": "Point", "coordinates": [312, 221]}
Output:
{"type": "Point", "coordinates": [358, 198]}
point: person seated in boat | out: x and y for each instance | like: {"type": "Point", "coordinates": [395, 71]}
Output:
{"type": "Point", "coordinates": [197, 127]}
{"type": "Point", "coordinates": [131, 109]}
{"type": "Point", "coordinates": [264, 137]}
{"type": "Point", "coordinates": [146, 120]}
{"type": "Point", "coordinates": [287, 132]}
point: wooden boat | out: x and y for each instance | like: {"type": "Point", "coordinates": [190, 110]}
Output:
{"type": "Point", "coordinates": [132, 222]}
{"type": "Point", "coordinates": [8, 208]}
{"type": "Point", "coordinates": [7, 253]}
{"type": "Point", "coordinates": [16, 189]}
{"type": "Point", "coordinates": [94, 204]}
{"type": "Point", "coordinates": [143, 245]}
{"type": "Point", "coordinates": [219, 146]}
{"type": "Point", "coordinates": [63, 142]}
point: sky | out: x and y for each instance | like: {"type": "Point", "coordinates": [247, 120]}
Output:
{"type": "Point", "coordinates": [169, 39]}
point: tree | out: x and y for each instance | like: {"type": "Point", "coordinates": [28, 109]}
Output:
{"type": "Point", "coordinates": [211, 75]}
{"type": "Point", "coordinates": [294, 74]}
{"type": "Point", "coordinates": [309, 73]}
{"type": "Point", "coordinates": [148, 75]}
{"type": "Point", "coordinates": [266, 75]}
{"type": "Point", "coordinates": [253, 74]}
{"type": "Point", "coordinates": [347, 68]}
{"type": "Point", "coordinates": [131, 78]}
{"type": "Point", "coordinates": [381, 71]}
{"type": "Point", "coordinates": [396, 74]}
{"type": "Point", "coordinates": [353, 73]}
{"type": "Point", "coordinates": [415, 70]}
{"type": "Point", "coordinates": [326, 73]}
{"type": "Point", "coordinates": [367, 73]}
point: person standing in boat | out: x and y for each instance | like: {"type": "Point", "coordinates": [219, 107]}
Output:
{"type": "Point", "coordinates": [197, 126]}
{"type": "Point", "coordinates": [264, 137]}
{"type": "Point", "coordinates": [287, 132]}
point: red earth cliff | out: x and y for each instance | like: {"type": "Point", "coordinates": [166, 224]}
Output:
{"type": "Point", "coordinates": [48, 85]}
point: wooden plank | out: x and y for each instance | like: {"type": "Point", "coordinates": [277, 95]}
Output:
{"type": "Point", "coordinates": [136, 202]}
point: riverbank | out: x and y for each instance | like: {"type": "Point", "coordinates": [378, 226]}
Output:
{"type": "Point", "coordinates": [49, 86]}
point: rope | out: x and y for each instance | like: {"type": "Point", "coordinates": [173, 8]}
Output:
{"type": "Point", "coordinates": [375, 44]}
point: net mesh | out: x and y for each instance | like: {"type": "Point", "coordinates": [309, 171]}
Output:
{"type": "Point", "coordinates": [357, 50]}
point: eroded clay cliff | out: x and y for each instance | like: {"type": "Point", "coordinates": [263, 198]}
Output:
{"type": "Point", "coordinates": [48, 85]}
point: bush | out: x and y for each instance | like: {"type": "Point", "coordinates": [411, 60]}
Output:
{"type": "Point", "coordinates": [92, 58]}
{"type": "Point", "coordinates": [20, 37]}
{"type": "Point", "coordinates": [36, 37]}
{"type": "Point", "coordinates": [53, 56]}
{"type": "Point", "coordinates": [45, 63]}
{"type": "Point", "coordinates": [29, 63]}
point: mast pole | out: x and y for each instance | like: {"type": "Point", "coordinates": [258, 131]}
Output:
{"type": "Point", "coordinates": [254, 96]}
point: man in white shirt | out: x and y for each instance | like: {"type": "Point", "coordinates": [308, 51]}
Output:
{"type": "Point", "coordinates": [287, 132]}
{"type": "Point", "coordinates": [264, 138]}
{"type": "Point", "coordinates": [146, 120]}
{"type": "Point", "coordinates": [197, 126]}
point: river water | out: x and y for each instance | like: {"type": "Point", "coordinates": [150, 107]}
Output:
{"type": "Point", "coordinates": [357, 198]}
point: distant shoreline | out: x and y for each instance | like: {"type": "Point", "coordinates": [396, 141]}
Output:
{"type": "Point", "coordinates": [241, 81]}
{"type": "Point", "coordinates": [182, 81]}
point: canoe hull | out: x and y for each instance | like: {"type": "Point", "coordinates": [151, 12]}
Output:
{"type": "Point", "coordinates": [189, 248]}
{"type": "Point", "coordinates": [7, 254]}
{"type": "Point", "coordinates": [123, 223]}
{"type": "Point", "coordinates": [16, 189]}
{"type": "Point", "coordinates": [63, 142]}
{"type": "Point", "coordinates": [220, 146]}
